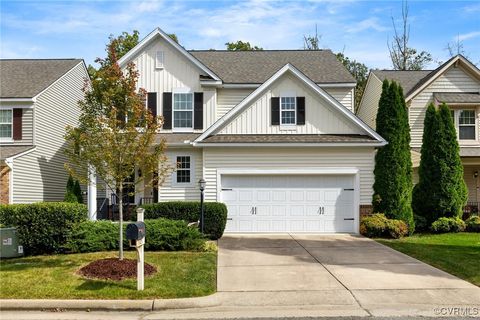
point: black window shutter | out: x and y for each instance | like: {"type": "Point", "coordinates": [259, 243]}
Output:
{"type": "Point", "coordinates": [275, 104]}
{"type": "Point", "coordinates": [17, 124]}
{"type": "Point", "coordinates": [300, 110]}
{"type": "Point", "coordinates": [152, 103]}
{"type": "Point", "coordinates": [198, 110]}
{"type": "Point", "coordinates": [167, 110]}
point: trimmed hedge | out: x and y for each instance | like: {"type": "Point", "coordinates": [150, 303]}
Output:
{"type": "Point", "coordinates": [43, 227]}
{"type": "Point", "coordinates": [473, 224]}
{"type": "Point", "coordinates": [379, 226]}
{"type": "Point", "coordinates": [162, 234]}
{"type": "Point", "coordinates": [189, 211]}
{"type": "Point", "coordinates": [444, 225]}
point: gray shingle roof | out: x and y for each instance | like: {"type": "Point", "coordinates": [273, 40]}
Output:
{"type": "Point", "coordinates": [26, 78]}
{"type": "Point", "coordinates": [407, 79]}
{"type": "Point", "coordinates": [321, 66]}
{"type": "Point", "coordinates": [457, 97]}
{"type": "Point", "coordinates": [288, 138]}
{"type": "Point", "coordinates": [10, 151]}
{"type": "Point", "coordinates": [175, 138]}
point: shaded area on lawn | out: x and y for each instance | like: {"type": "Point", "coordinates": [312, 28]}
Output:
{"type": "Point", "coordinates": [180, 274]}
{"type": "Point", "coordinates": [455, 253]}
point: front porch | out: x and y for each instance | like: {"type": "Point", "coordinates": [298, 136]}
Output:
{"type": "Point", "coordinates": [471, 175]}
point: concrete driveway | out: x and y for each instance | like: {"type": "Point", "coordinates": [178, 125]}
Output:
{"type": "Point", "coordinates": [334, 270]}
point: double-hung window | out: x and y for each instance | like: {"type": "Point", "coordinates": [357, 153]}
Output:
{"type": "Point", "coordinates": [183, 111]}
{"type": "Point", "coordinates": [184, 170]}
{"type": "Point", "coordinates": [288, 111]}
{"type": "Point", "coordinates": [466, 125]}
{"type": "Point", "coordinates": [6, 124]}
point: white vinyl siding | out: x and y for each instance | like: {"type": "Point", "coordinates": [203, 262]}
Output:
{"type": "Point", "coordinates": [454, 80]}
{"type": "Point", "coordinates": [367, 110]}
{"type": "Point", "coordinates": [177, 72]}
{"type": "Point", "coordinates": [320, 117]}
{"type": "Point", "coordinates": [40, 175]}
{"type": "Point", "coordinates": [288, 158]}
{"type": "Point", "coordinates": [343, 95]}
{"type": "Point", "coordinates": [229, 98]}
{"type": "Point", "coordinates": [172, 191]}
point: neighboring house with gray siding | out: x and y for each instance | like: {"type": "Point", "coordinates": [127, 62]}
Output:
{"type": "Point", "coordinates": [272, 132]}
{"type": "Point", "coordinates": [38, 99]}
{"type": "Point", "coordinates": [457, 83]}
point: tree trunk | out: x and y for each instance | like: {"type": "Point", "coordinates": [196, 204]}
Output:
{"type": "Point", "coordinates": [120, 221]}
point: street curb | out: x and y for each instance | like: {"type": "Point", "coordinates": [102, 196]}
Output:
{"type": "Point", "coordinates": [109, 305]}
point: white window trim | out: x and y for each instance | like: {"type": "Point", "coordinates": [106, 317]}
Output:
{"type": "Point", "coordinates": [456, 112]}
{"type": "Point", "coordinates": [182, 90]}
{"type": "Point", "coordinates": [3, 139]}
{"type": "Point", "coordinates": [289, 126]}
{"type": "Point", "coordinates": [176, 184]}
{"type": "Point", "coordinates": [159, 64]}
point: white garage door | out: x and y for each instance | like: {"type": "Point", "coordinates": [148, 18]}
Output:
{"type": "Point", "coordinates": [289, 203]}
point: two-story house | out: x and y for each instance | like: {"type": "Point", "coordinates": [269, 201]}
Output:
{"type": "Point", "coordinates": [38, 99]}
{"type": "Point", "coordinates": [457, 83]}
{"type": "Point", "coordinates": [273, 133]}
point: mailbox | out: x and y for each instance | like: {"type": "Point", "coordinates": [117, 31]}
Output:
{"type": "Point", "coordinates": [136, 230]}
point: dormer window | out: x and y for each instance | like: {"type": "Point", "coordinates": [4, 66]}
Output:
{"type": "Point", "coordinates": [159, 59]}
{"type": "Point", "coordinates": [288, 111]}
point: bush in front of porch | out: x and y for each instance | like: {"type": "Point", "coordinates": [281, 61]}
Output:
{"type": "Point", "coordinates": [189, 211]}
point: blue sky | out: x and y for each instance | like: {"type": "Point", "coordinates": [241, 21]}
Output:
{"type": "Point", "coordinates": [361, 29]}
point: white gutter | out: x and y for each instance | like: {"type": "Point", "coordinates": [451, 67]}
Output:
{"type": "Point", "coordinates": [283, 144]}
{"type": "Point", "coordinates": [256, 85]}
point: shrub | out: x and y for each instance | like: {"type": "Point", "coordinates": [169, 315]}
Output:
{"type": "Point", "coordinates": [43, 227]}
{"type": "Point", "coordinates": [70, 197]}
{"type": "Point", "coordinates": [421, 223]}
{"type": "Point", "coordinates": [379, 226]}
{"type": "Point", "coordinates": [189, 211]}
{"type": "Point", "coordinates": [473, 224]}
{"type": "Point", "coordinates": [162, 234]}
{"type": "Point", "coordinates": [443, 225]}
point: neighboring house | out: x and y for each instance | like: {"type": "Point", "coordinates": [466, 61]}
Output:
{"type": "Point", "coordinates": [38, 99]}
{"type": "Point", "coordinates": [271, 132]}
{"type": "Point", "coordinates": [457, 83]}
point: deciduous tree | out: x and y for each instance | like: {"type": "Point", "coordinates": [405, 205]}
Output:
{"type": "Point", "coordinates": [241, 46]}
{"type": "Point", "coordinates": [116, 133]}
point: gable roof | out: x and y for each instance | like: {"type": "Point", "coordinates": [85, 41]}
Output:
{"type": "Point", "coordinates": [407, 79]}
{"type": "Point", "coordinates": [26, 78]}
{"type": "Point", "coordinates": [160, 33]}
{"type": "Point", "coordinates": [413, 82]}
{"type": "Point", "coordinates": [230, 115]}
{"type": "Point", "coordinates": [256, 67]}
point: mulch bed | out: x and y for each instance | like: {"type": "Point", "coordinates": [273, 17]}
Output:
{"type": "Point", "coordinates": [114, 269]}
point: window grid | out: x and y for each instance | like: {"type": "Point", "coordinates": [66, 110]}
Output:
{"type": "Point", "coordinates": [183, 169]}
{"type": "Point", "coordinates": [466, 125]}
{"type": "Point", "coordinates": [183, 110]}
{"type": "Point", "coordinates": [6, 123]}
{"type": "Point", "coordinates": [287, 110]}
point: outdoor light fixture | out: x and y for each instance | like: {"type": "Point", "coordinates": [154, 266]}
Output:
{"type": "Point", "coordinates": [475, 174]}
{"type": "Point", "coordinates": [201, 185]}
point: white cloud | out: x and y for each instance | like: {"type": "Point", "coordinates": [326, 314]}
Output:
{"type": "Point", "coordinates": [467, 36]}
{"type": "Point", "coordinates": [472, 8]}
{"type": "Point", "coordinates": [370, 23]}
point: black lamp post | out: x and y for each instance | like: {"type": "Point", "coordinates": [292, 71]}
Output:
{"type": "Point", "coordinates": [201, 184]}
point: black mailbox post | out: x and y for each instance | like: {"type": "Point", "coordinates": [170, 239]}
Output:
{"type": "Point", "coordinates": [136, 231]}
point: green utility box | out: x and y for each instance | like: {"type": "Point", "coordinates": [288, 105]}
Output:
{"type": "Point", "coordinates": [10, 245]}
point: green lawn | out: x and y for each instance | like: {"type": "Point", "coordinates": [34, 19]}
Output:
{"type": "Point", "coordinates": [179, 274]}
{"type": "Point", "coordinates": [455, 253]}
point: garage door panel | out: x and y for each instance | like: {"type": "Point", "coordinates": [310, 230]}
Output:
{"type": "Point", "coordinates": [268, 203]}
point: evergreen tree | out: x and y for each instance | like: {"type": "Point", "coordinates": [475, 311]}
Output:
{"type": "Point", "coordinates": [426, 192]}
{"type": "Point", "coordinates": [453, 191]}
{"type": "Point", "coordinates": [69, 193]}
{"type": "Point", "coordinates": [78, 191]}
{"type": "Point", "coordinates": [393, 167]}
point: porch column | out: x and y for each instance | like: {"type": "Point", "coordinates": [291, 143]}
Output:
{"type": "Point", "coordinates": [92, 193]}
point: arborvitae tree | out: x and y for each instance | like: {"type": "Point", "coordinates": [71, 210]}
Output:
{"type": "Point", "coordinates": [426, 191]}
{"type": "Point", "coordinates": [453, 191]}
{"type": "Point", "coordinates": [78, 191]}
{"type": "Point", "coordinates": [441, 190]}
{"type": "Point", "coordinates": [393, 167]}
{"type": "Point", "coordinates": [69, 194]}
